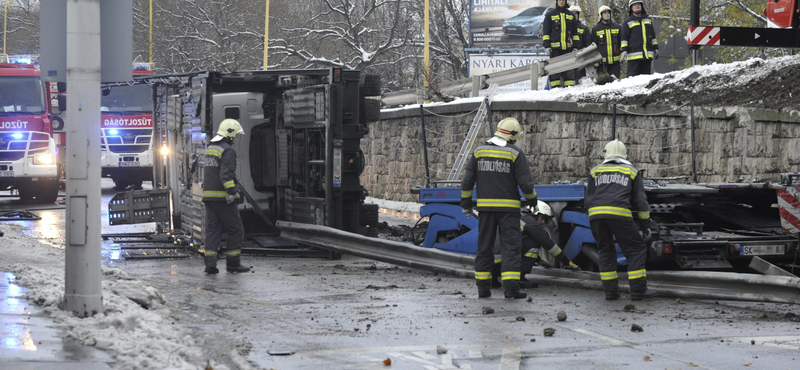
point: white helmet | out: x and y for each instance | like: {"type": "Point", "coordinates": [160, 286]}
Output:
{"type": "Point", "coordinates": [615, 149]}
{"type": "Point", "coordinates": [602, 9]}
{"type": "Point", "coordinates": [575, 9]}
{"type": "Point", "coordinates": [544, 209]}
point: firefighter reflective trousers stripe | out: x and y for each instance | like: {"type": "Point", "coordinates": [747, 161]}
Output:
{"type": "Point", "coordinates": [221, 216]}
{"type": "Point", "coordinates": [507, 224]}
{"type": "Point", "coordinates": [563, 79]}
{"type": "Point", "coordinates": [627, 236]}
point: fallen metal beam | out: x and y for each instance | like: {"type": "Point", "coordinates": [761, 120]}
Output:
{"type": "Point", "coordinates": [763, 266]}
{"type": "Point", "coordinates": [682, 284]}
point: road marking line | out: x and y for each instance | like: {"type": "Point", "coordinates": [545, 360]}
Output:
{"type": "Point", "coordinates": [511, 359]}
{"type": "Point", "coordinates": [769, 341]}
{"type": "Point", "coordinates": [606, 338]}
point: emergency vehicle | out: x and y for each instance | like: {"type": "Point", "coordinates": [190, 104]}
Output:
{"type": "Point", "coordinates": [126, 148]}
{"type": "Point", "coordinates": [27, 150]}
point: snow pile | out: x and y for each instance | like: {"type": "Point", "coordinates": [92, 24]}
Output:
{"type": "Point", "coordinates": [135, 327]}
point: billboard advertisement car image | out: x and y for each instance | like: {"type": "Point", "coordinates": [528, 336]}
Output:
{"type": "Point", "coordinates": [507, 24]}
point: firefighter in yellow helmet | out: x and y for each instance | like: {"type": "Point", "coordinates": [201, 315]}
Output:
{"type": "Point", "coordinates": [617, 210]}
{"type": "Point", "coordinates": [220, 197]}
{"type": "Point", "coordinates": [500, 169]}
{"type": "Point", "coordinates": [606, 35]}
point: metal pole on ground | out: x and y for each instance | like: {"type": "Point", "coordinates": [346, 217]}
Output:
{"type": "Point", "coordinates": [425, 146]}
{"type": "Point", "coordinates": [82, 288]}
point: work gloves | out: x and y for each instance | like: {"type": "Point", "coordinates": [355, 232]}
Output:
{"type": "Point", "coordinates": [562, 259]}
{"type": "Point", "coordinates": [230, 198]}
{"type": "Point", "coordinates": [623, 57]}
{"type": "Point", "coordinates": [466, 206]}
{"type": "Point", "coordinates": [655, 53]}
{"type": "Point", "coordinates": [646, 234]}
{"type": "Point", "coordinates": [533, 203]}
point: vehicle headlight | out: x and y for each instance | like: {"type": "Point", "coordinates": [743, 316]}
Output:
{"type": "Point", "coordinates": [44, 159]}
{"type": "Point", "coordinates": [506, 24]}
{"type": "Point", "coordinates": [164, 151]}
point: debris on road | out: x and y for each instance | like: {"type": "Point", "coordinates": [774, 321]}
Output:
{"type": "Point", "coordinates": [378, 287]}
{"type": "Point", "coordinates": [548, 332]}
{"type": "Point", "coordinates": [280, 353]}
{"type": "Point", "coordinates": [441, 350]}
{"type": "Point", "coordinates": [387, 362]}
{"type": "Point", "coordinates": [488, 310]}
{"type": "Point", "coordinates": [520, 318]}
{"type": "Point", "coordinates": [562, 316]}
{"type": "Point", "coordinates": [629, 308]}
{"type": "Point", "coordinates": [637, 328]}
{"type": "Point", "coordinates": [647, 358]}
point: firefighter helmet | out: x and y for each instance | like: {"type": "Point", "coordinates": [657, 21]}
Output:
{"type": "Point", "coordinates": [509, 129]}
{"type": "Point", "coordinates": [602, 9]}
{"type": "Point", "coordinates": [228, 128]}
{"type": "Point", "coordinates": [543, 209]}
{"type": "Point", "coordinates": [631, 2]}
{"type": "Point", "coordinates": [615, 149]}
{"type": "Point", "coordinates": [575, 9]}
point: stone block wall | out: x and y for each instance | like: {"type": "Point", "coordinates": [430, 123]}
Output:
{"type": "Point", "coordinates": [563, 141]}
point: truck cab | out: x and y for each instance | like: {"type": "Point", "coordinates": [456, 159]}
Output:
{"type": "Point", "coordinates": [126, 151]}
{"type": "Point", "coordinates": [27, 150]}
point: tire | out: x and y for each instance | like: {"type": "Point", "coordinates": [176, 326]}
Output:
{"type": "Point", "coordinates": [372, 110]}
{"type": "Point", "coordinates": [47, 191]}
{"type": "Point", "coordinates": [371, 86]}
{"type": "Point", "coordinates": [26, 192]}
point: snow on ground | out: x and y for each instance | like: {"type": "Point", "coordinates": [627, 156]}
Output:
{"type": "Point", "coordinates": [756, 82]}
{"type": "Point", "coordinates": [135, 327]}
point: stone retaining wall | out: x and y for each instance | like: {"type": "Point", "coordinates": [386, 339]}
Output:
{"type": "Point", "coordinates": [563, 141]}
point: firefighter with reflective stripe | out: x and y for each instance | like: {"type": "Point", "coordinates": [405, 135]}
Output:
{"type": "Point", "coordinates": [617, 203]}
{"type": "Point", "coordinates": [219, 196]}
{"type": "Point", "coordinates": [536, 239]}
{"type": "Point", "coordinates": [639, 43]}
{"type": "Point", "coordinates": [559, 33]}
{"type": "Point", "coordinates": [606, 35]}
{"type": "Point", "coordinates": [585, 39]}
{"type": "Point", "coordinates": [500, 170]}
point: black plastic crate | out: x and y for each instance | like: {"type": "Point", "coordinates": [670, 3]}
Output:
{"type": "Point", "coordinates": [138, 207]}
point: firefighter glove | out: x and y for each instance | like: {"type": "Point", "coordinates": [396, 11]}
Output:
{"type": "Point", "coordinates": [533, 203]}
{"type": "Point", "coordinates": [562, 259]}
{"type": "Point", "coordinates": [230, 198]}
{"type": "Point", "coordinates": [623, 56]}
{"type": "Point", "coordinates": [646, 234]}
{"type": "Point", "coordinates": [466, 205]}
{"type": "Point", "coordinates": [655, 53]}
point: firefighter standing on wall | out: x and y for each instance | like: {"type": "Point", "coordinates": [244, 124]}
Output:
{"type": "Point", "coordinates": [500, 169]}
{"type": "Point", "coordinates": [220, 198]}
{"type": "Point", "coordinates": [585, 39]}
{"type": "Point", "coordinates": [606, 35]}
{"type": "Point", "coordinates": [535, 239]}
{"type": "Point", "coordinates": [639, 43]}
{"type": "Point", "coordinates": [560, 32]}
{"type": "Point", "coordinates": [617, 202]}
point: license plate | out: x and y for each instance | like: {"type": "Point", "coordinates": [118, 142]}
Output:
{"type": "Point", "coordinates": [760, 250]}
{"type": "Point", "coordinates": [512, 28]}
{"type": "Point", "coordinates": [6, 173]}
{"type": "Point", "coordinates": [129, 164]}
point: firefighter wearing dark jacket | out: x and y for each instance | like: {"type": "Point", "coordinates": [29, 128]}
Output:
{"type": "Point", "coordinates": [559, 33]}
{"type": "Point", "coordinates": [500, 169]}
{"type": "Point", "coordinates": [617, 202]}
{"type": "Point", "coordinates": [585, 39]}
{"type": "Point", "coordinates": [606, 35]}
{"type": "Point", "coordinates": [535, 238]}
{"type": "Point", "coordinates": [220, 198]}
{"type": "Point", "coordinates": [639, 43]}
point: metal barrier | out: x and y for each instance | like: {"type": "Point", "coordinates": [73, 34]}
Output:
{"type": "Point", "coordinates": [683, 284]}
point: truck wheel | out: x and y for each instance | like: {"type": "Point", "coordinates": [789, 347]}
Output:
{"type": "Point", "coordinates": [25, 191]}
{"type": "Point", "coordinates": [372, 110]}
{"type": "Point", "coordinates": [47, 191]}
{"type": "Point", "coordinates": [371, 86]}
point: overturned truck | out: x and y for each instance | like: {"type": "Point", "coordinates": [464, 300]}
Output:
{"type": "Point", "coordinates": [300, 158]}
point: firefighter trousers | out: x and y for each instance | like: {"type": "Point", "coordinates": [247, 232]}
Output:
{"type": "Point", "coordinates": [563, 79]}
{"type": "Point", "coordinates": [626, 233]}
{"type": "Point", "coordinates": [221, 216]}
{"type": "Point", "coordinates": [489, 224]}
{"type": "Point", "coordinates": [640, 67]}
{"type": "Point", "coordinates": [610, 69]}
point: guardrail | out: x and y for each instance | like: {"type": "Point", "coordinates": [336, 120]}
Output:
{"type": "Point", "coordinates": [682, 284]}
{"type": "Point", "coordinates": [584, 58]}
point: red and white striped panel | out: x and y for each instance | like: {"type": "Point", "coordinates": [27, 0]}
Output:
{"type": "Point", "coordinates": [703, 36]}
{"type": "Point", "coordinates": [789, 205]}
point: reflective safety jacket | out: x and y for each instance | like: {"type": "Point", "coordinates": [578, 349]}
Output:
{"type": "Point", "coordinates": [219, 172]}
{"type": "Point", "coordinates": [607, 38]}
{"type": "Point", "coordinates": [560, 29]}
{"type": "Point", "coordinates": [499, 171]}
{"type": "Point", "coordinates": [584, 35]}
{"type": "Point", "coordinates": [639, 37]}
{"type": "Point", "coordinates": [617, 191]}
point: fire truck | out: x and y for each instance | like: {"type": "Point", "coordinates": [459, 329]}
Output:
{"type": "Point", "coordinates": [126, 151]}
{"type": "Point", "coordinates": [27, 150]}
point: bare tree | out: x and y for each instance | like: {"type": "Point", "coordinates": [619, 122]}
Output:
{"type": "Point", "coordinates": [23, 27]}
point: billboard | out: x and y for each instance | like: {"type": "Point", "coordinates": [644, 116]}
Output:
{"type": "Point", "coordinates": [507, 24]}
{"type": "Point", "coordinates": [480, 64]}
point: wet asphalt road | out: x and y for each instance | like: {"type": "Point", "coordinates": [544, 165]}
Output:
{"type": "Point", "coordinates": [312, 313]}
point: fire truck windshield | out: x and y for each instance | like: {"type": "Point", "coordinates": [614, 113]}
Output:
{"type": "Point", "coordinates": [21, 95]}
{"type": "Point", "coordinates": [127, 99]}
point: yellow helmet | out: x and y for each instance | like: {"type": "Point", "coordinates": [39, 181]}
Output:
{"type": "Point", "coordinates": [509, 129]}
{"type": "Point", "coordinates": [602, 9]}
{"type": "Point", "coordinates": [615, 149]}
{"type": "Point", "coordinates": [228, 128]}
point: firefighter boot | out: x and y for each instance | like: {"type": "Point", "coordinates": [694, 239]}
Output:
{"type": "Point", "coordinates": [484, 288]}
{"type": "Point", "coordinates": [639, 290]}
{"type": "Point", "coordinates": [525, 283]}
{"type": "Point", "coordinates": [234, 262]}
{"type": "Point", "coordinates": [612, 289]}
{"type": "Point", "coordinates": [211, 264]}
{"type": "Point", "coordinates": [512, 289]}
